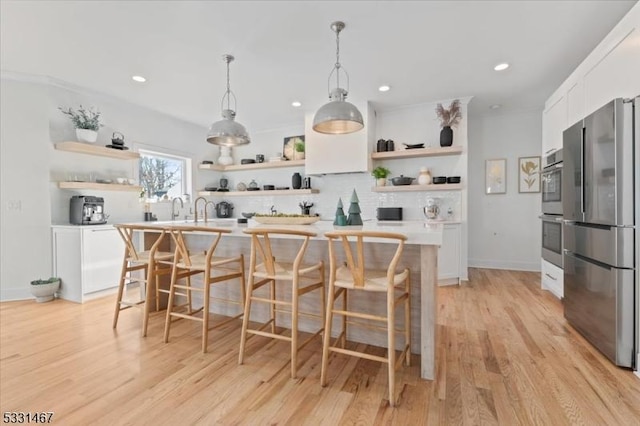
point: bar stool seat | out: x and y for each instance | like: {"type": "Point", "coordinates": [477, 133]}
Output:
{"type": "Point", "coordinates": [151, 261]}
{"type": "Point", "coordinates": [215, 269]}
{"type": "Point", "coordinates": [374, 280]}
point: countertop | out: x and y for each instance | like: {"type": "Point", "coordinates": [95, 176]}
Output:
{"type": "Point", "coordinates": [417, 232]}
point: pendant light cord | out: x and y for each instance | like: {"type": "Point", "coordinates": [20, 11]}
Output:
{"type": "Point", "coordinates": [228, 94]}
{"type": "Point", "coordinates": [337, 67]}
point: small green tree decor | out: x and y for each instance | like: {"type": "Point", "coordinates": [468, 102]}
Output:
{"type": "Point", "coordinates": [341, 218]}
{"type": "Point", "coordinates": [86, 122]}
{"type": "Point", "coordinates": [354, 218]}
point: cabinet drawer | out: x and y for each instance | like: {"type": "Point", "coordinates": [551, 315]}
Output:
{"type": "Point", "coordinates": [552, 278]}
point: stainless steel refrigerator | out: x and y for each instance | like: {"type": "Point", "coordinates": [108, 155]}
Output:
{"type": "Point", "coordinates": [600, 179]}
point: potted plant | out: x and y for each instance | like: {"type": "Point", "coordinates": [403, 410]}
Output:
{"type": "Point", "coordinates": [87, 123]}
{"type": "Point", "coordinates": [448, 118]}
{"type": "Point", "coordinates": [381, 174]}
{"type": "Point", "coordinates": [45, 290]}
{"type": "Point", "coordinates": [299, 150]}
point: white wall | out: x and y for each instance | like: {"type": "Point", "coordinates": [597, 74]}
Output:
{"type": "Point", "coordinates": [504, 229]}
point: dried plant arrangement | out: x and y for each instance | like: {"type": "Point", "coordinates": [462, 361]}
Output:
{"type": "Point", "coordinates": [449, 117]}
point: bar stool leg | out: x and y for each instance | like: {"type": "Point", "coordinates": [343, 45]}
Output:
{"type": "Point", "coordinates": [245, 317]}
{"type": "Point", "coordinates": [172, 291]}
{"type": "Point", "coordinates": [243, 281]}
{"type": "Point", "coordinates": [123, 275]}
{"type": "Point", "coordinates": [149, 280]}
{"type": "Point", "coordinates": [205, 310]}
{"type": "Point", "coordinates": [273, 306]}
{"type": "Point", "coordinates": [391, 345]}
{"type": "Point", "coordinates": [407, 319]}
{"type": "Point", "coordinates": [327, 334]}
{"type": "Point", "coordinates": [294, 326]}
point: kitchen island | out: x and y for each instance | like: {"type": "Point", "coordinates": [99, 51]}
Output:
{"type": "Point", "coordinates": [420, 256]}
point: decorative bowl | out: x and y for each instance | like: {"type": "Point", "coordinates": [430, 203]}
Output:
{"type": "Point", "coordinates": [286, 220]}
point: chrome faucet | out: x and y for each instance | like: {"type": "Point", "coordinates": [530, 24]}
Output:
{"type": "Point", "coordinates": [174, 215]}
{"type": "Point", "coordinates": [195, 206]}
{"type": "Point", "coordinates": [209, 203]}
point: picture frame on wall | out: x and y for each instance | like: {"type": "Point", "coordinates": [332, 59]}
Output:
{"type": "Point", "coordinates": [495, 176]}
{"type": "Point", "coordinates": [529, 174]}
{"type": "Point", "coordinates": [293, 148]}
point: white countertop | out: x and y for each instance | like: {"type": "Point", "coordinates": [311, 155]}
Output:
{"type": "Point", "coordinates": [417, 232]}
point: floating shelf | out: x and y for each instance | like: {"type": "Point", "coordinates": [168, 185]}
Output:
{"type": "Point", "coordinates": [408, 188]}
{"type": "Point", "coordinates": [91, 149]}
{"type": "Point", "coordinates": [415, 153]}
{"type": "Point", "coordinates": [261, 192]}
{"type": "Point", "coordinates": [252, 166]}
{"type": "Point", "coordinates": [99, 186]}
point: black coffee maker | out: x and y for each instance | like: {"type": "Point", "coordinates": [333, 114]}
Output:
{"type": "Point", "coordinates": [87, 210]}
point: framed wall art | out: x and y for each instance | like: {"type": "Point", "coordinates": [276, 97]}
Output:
{"type": "Point", "coordinates": [495, 176]}
{"type": "Point", "coordinates": [293, 148]}
{"type": "Point", "coordinates": [528, 174]}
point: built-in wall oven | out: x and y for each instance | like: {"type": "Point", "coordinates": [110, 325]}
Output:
{"type": "Point", "coordinates": [552, 239]}
{"type": "Point", "coordinates": [551, 180]}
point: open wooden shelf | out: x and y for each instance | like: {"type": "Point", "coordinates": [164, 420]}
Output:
{"type": "Point", "coordinates": [407, 188]}
{"type": "Point", "coordinates": [92, 149]}
{"type": "Point", "coordinates": [252, 166]}
{"type": "Point", "coordinates": [99, 186]}
{"type": "Point", "coordinates": [259, 193]}
{"type": "Point", "coordinates": [415, 153]}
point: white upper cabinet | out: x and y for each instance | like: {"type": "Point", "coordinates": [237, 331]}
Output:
{"type": "Point", "coordinates": [575, 103]}
{"type": "Point", "coordinates": [554, 121]}
{"type": "Point", "coordinates": [340, 153]}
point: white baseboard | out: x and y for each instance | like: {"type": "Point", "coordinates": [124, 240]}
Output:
{"type": "Point", "coordinates": [501, 264]}
{"type": "Point", "coordinates": [637, 372]}
{"type": "Point", "coordinates": [9, 294]}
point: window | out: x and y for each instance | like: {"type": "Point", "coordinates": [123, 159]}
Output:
{"type": "Point", "coordinates": [164, 176]}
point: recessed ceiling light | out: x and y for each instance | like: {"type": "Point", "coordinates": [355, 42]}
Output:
{"type": "Point", "coordinates": [495, 106]}
{"type": "Point", "coordinates": [384, 88]}
{"type": "Point", "coordinates": [296, 104]}
{"type": "Point", "coordinates": [139, 78]}
{"type": "Point", "coordinates": [501, 67]}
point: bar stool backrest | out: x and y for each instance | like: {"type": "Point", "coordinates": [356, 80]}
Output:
{"type": "Point", "coordinates": [260, 243]}
{"type": "Point", "coordinates": [126, 233]}
{"type": "Point", "coordinates": [178, 234]}
{"type": "Point", "coordinates": [356, 264]}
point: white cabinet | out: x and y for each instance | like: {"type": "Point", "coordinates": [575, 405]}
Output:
{"type": "Point", "coordinates": [449, 255]}
{"type": "Point", "coordinates": [575, 103]}
{"type": "Point", "coordinates": [339, 153]}
{"type": "Point", "coordinates": [554, 121]}
{"type": "Point", "coordinates": [87, 259]}
{"type": "Point", "coordinates": [552, 279]}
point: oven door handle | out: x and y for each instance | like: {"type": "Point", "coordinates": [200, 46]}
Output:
{"type": "Point", "coordinates": [551, 218]}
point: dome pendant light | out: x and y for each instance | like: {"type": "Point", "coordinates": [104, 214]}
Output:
{"type": "Point", "coordinates": [338, 116]}
{"type": "Point", "coordinates": [228, 132]}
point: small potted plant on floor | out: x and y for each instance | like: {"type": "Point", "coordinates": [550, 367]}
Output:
{"type": "Point", "coordinates": [381, 174]}
{"type": "Point", "coordinates": [87, 123]}
{"type": "Point", "coordinates": [45, 290]}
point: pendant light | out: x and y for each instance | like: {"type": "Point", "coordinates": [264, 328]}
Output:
{"type": "Point", "coordinates": [338, 116]}
{"type": "Point", "coordinates": [228, 132]}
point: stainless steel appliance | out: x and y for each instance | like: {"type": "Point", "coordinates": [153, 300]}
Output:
{"type": "Point", "coordinates": [600, 233]}
{"type": "Point", "coordinates": [86, 210]}
{"type": "Point", "coordinates": [552, 239]}
{"type": "Point", "coordinates": [389, 213]}
{"type": "Point", "coordinates": [551, 179]}
{"type": "Point", "coordinates": [224, 209]}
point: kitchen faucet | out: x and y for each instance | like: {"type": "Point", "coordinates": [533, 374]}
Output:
{"type": "Point", "coordinates": [213, 206]}
{"type": "Point", "coordinates": [174, 215]}
{"type": "Point", "coordinates": [195, 206]}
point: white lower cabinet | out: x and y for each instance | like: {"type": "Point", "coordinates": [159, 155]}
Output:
{"type": "Point", "coordinates": [87, 259]}
{"type": "Point", "coordinates": [449, 255]}
{"type": "Point", "coordinates": [552, 278]}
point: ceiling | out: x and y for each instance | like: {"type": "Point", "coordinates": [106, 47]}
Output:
{"type": "Point", "coordinates": [284, 51]}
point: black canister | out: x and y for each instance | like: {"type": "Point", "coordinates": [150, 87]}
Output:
{"type": "Point", "coordinates": [382, 145]}
{"type": "Point", "coordinates": [390, 145]}
{"type": "Point", "coordinates": [296, 181]}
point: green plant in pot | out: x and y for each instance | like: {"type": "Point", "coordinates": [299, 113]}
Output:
{"type": "Point", "coordinates": [45, 290]}
{"type": "Point", "coordinates": [299, 150]}
{"type": "Point", "coordinates": [86, 122]}
{"type": "Point", "coordinates": [381, 174]}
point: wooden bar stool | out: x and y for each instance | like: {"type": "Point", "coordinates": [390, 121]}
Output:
{"type": "Point", "coordinates": [304, 278]}
{"type": "Point", "coordinates": [147, 260]}
{"type": "Point", "coordinates": [353, 276]}
{"type": "Point", "coordinates": [215, 270]}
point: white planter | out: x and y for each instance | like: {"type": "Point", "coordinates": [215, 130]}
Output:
{"type": "Point", "coordinates": [45, 292]}
{"type": "Point", "coordinates": [85, 135]}
{"type": "Point", "coordinates": [381, 181]}
{"type": "Point", "coordinates": [298, 155]}
{"type": "Point", "coordinates": [225, 158]}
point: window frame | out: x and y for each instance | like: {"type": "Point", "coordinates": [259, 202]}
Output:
{"type": "Point", "coordinates": [159, 152]}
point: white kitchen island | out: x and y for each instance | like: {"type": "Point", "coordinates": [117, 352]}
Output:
{"type": "Point", "coordinates": [420, 256]}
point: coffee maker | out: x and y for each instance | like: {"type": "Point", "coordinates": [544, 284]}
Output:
{"type": "Point", "coordinates": [87, 210]}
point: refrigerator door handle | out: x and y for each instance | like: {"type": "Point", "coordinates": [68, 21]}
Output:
{"type": "Point", "coordinates": [582, 166]}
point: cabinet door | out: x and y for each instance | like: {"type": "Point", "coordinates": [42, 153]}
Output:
{"type": "Point", "coordinates": [554, 121]}
{"type": "Point", "coordinates": [102, 252]}
{"type": "Point", "coordinates": [449, 253]}
{"type": "Point", "coordinates": [66, 263]}
{"type": "Point", "coordinates": [575, 103]}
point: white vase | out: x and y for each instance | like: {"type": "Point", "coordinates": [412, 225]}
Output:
{"type": "Point", "coordinates": [86, 135]}
{"type": "Point", "coordinates": [381, 181]}
{"type": "Point", "coordinates": [425, 176]}
{"type": "Point", "coordinates": [298, 155]}
{"type": "Point", "coordinates": [225, 158]}
{"type": "Point", "coordinates": [45, 292]}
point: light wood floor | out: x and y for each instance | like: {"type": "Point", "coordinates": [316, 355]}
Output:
{"type": "Point", "coordinates": [505, 356]}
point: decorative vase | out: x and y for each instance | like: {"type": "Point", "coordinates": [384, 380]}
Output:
{"type": "Point", "coordinates": [425, 176]}
{"type": "Point", "coordinates": [296, 181]}
{"type": "Point", "coordinates": [381, 181]}
{"type": "Point", "coordinates": [225, 158]}
{"type": "Point", "coordinates": [45, 292]}
{"type": "Point", "coordinates": [446, 136]}
{"type": "Point", "coordinates": [298, 155]}
{"type": "Point", "coordinates": [86, 135]}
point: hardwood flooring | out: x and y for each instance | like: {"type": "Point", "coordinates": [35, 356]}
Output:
{"type": "Point", "coordinates": [505, 355]}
